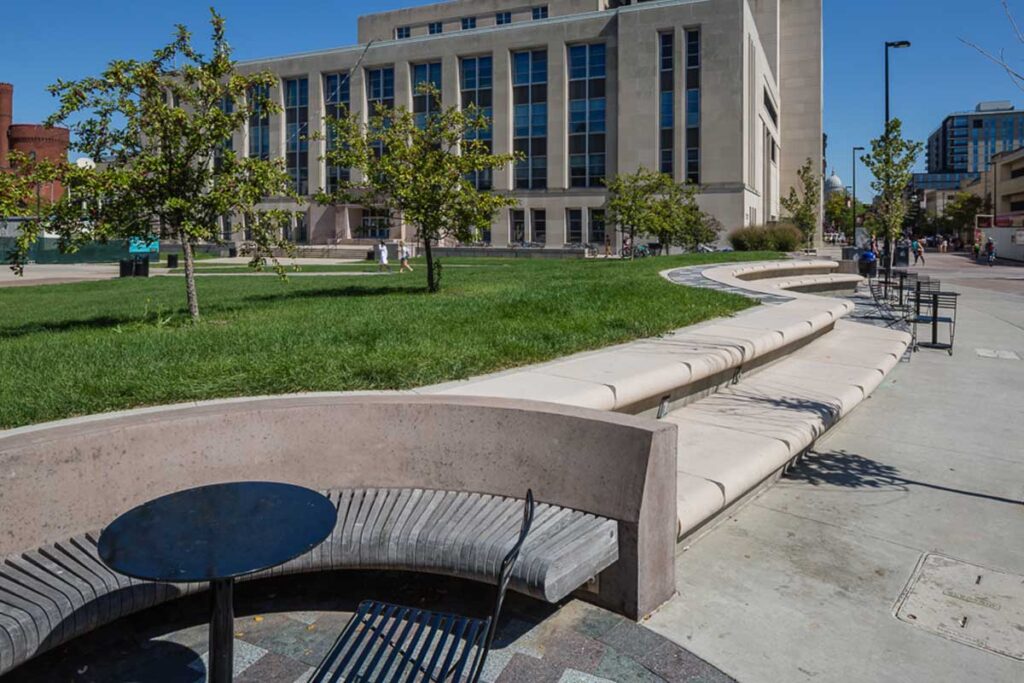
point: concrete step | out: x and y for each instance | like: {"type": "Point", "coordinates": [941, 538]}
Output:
{"type": "Point", "coordinates": [733, 441]}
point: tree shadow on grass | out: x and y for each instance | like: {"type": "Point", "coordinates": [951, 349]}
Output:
{"type": "Point", "coordinates": [338, 293]}
{"type": "Point", "coordinates": [851, 471]}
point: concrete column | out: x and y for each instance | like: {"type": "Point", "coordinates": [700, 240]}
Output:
{"type": "Point", "coordinates": [450, 94]}
{"type": "Point", "coordinates": [357, 106]}
{"type": "Point", "coordinates": [403, 85]}
{"type": "Point", "coordinates": [500, 228]}
{"type": "Point", "coordinates": [556, 227]}
{"type": "Point", "coordinates": [317, 172]}
{"type": "Point", "coordinates": [277, 123]}
{"type": "Point", "coordinates": [558, 142]}
{"type": "Point", "coordinates": [502, 116]}
{"type": "Point", "coordinates": [800, 88]}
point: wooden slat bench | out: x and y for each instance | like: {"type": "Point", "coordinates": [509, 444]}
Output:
{"type": "Point", "coordinates": [50, 595]}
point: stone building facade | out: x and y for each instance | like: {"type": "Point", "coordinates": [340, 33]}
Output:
{"type": "Point", "coordinates": [724, 93]}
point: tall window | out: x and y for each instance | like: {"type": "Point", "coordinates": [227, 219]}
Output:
{"type": "Point", "coordinates": [597, 231]}
{"type": "Point", "coordinates": [517, 226]}
{"type": "Point", "coordinates": [468, 23]}
{"type": "Point", "coordinates": [380, 92]}
{"type": "Point", "coordinates": [539, 225]}
{"type": "Point", "coordinates": [259, 123]}
{"type": "Point", "coordinates": [693, 105]}
{"type": "Point", "coordinates": [587, 115]}
{"type": "Point", "coordinates": [296, 112]}
{"type": "Point", "coordinates": [574, 226]}
{"type": "Point", "coordinates": [435, 28]}
{"type": "Point", "coordinates": [477, 89]}
{"type": "Point", "coordinates": [666, 102]}
{"type": "Point", "coordinates": [530, 118]}
{"type": "Point", "coordinates": [337, 98]}
{"type": "Point", "coordinates": [423, 105]}
{"type": "Point", "coordinates": [540, 12]}
{"type": "Point", "coordinates": [375, 224]}
{"type": "Point", "coordinates": [502, 18]}
{"type": "Point", "coordinates": [226, 105]}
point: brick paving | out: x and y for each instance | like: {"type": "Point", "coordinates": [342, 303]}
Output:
{"type": "Point", "coordinates": [284, 627]}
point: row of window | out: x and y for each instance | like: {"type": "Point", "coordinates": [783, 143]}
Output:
{"type": "Point", "coordinates": [535, 231]}
{"type": "Point", "coordinates": [469, 23]}
{"type": "Point", "coordinates": [587, 112]}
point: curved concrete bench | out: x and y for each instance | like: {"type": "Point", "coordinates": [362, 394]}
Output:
{"type": "Point", "coordinates": [636, 377]}
{"type": "Point", "coordinates": [733, 441]}
{"type": "Point", "coordinates": [52, 594]}
{"type": "Point", "coordinates": [597, 472]}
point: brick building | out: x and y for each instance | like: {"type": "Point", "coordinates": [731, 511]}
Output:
{"type": "Point", "coordinates": [32, 139]}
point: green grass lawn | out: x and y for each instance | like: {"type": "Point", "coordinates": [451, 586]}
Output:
{"type": "Point", "coordinates": [85, 348]}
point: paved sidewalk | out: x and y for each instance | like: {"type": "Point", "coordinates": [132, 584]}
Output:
{"type": "Point", "coordinates": [803, 583]}
{"type": "Point", "coordinates": [57, 274]}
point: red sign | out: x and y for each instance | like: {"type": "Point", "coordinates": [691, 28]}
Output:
{"type": "Point", "coordinates": [1004, 222]}
{"type": "Point", "coordinates": [984, 222]}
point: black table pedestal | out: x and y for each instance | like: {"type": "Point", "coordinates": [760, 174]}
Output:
{"type": "Point", "coordinates": [222, 630]}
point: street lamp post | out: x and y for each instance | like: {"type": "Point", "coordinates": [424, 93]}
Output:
{"type": "Point", "coordinates": [889, 45]}
{"type": "Point", "coordinates": [853, 196]}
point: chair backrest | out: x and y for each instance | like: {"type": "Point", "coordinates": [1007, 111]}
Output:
{"type": "Point", "coordinates": [504, 576]}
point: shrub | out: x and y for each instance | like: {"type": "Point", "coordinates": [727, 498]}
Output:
{"type": "Point", "coordinates": [777, 237]}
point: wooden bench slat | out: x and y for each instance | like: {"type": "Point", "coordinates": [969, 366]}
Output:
{"type": "Point", "coordinates": [51, 594]}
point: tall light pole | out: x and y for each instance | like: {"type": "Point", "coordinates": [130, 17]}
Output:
{"type": "Point", "coordinates": [890, 45]}
{"type": "Point", "coordinates": [853, 196]}
{"type": "Point", "coordinates": [897, 45]}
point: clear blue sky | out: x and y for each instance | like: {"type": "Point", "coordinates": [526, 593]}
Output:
{"type": "Point", "coordinates": [936, 76]}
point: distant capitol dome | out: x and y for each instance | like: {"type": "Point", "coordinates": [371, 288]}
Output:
{"type": "Point", "coordinates": [834, 184]}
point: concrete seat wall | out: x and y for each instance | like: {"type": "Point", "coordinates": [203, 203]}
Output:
{"type": "Point", "coordinates": [72, 477]}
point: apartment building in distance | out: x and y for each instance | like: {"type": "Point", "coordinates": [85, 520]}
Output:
{"type": "Point", "coordinates": [726, 94]}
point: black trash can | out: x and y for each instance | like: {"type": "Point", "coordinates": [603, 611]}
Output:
{"type": "Point", "coordinates": [142, 266]}
{"type": "Point", "coordinates": [232, 252]}
{"type": "Point", "coordinates": [127, 267]}
{"type": "Point", "coordinates": [901, 257]}
{"type": "Point", "coordinates": [172, 260]}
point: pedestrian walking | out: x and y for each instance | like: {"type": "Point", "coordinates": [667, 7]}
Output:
{"type": "Point", "coordinates": [382, 258]}
{"type": "Point", "coordinates": [403, 257]}
{"type": "Point", "coordinates": [990, 252]}
{"type": "Point", "coordinates": [918, 249]}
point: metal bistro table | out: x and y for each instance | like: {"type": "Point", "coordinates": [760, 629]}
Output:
{"type": "Point", "coordinates": [217, 533]}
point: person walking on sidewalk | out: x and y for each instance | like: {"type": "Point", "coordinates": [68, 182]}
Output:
{"type": "Point", "coordinates": [990, 252]}
{"type": "Point", "coordinates": [382, 258]}
{"type": "Point", "coordinates": [918, 250]}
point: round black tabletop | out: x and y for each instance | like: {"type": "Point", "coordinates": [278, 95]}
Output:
{"type": "Point", "coordinates": [217, 532]}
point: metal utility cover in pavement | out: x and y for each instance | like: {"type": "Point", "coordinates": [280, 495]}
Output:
{"type": "Point", "coordinates": [973, 605]}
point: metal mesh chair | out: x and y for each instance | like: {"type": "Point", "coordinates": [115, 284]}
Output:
{"type": "Point", "coordinates": [387, 642]}
{"type": "Point", "coordinates": [933, 307]}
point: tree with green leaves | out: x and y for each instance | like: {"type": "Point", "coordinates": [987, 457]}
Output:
{"type": "Point", "coordinates": [890, 161]}
{"type": "Point", "coordinates": [803, 204]}
{"type": "Point", "coordinates": [678, 219]}
{"type": "Point", "coordinates": [961, 211]}
{"type": "Point", "coordinates": [631, 205]}
{"type": "Point", "coordinates": [420, 169]}
{"type": "Point", "coordinates": [159, 128]}
{"type": "Point", "coordinates": [17, 184]}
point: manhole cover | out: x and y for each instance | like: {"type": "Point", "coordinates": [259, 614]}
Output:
{"type": "Point", "coordinates": [997, 353]}
{"type": "Point", "coordinates": [973, 605]}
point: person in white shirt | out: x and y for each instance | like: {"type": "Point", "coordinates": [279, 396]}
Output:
{"type": "Point", "coordinates": [382, 257]}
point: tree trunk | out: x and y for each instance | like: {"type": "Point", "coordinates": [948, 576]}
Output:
{"type": "Point", "coordinates": [632, 243]}
{"type": "Point", "coordinates": [190, 277]}
{"type": "Point", "coordinates": [432, 284]}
